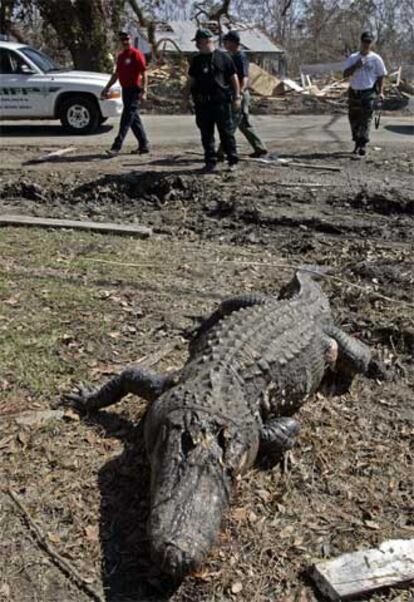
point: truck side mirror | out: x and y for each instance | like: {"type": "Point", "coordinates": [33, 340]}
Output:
{"type": "Point", "coordinates": [24, 68]}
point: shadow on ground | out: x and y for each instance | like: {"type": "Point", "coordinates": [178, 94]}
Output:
{"type": "Point", "coordinates": [407, 130]}
{"type": "Point", "coordinates": [127, 570]}
{"type": "Point", "coordinates": [72, 159]}
{"type": "Point", "coordinates": [44, 131]}
{"type": "Point", "coordinates": [310, 156]}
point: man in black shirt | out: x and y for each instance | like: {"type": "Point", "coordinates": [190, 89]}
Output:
{"type": "Point", "coordinates": [214, 86]}
{"type": "Point", "coordinates": [241, 118]}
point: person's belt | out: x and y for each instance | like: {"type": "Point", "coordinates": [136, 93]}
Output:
{"type": "Point", "coordinates": [202, 98]}
{"type": "Point", "coordinates": [360, 92]}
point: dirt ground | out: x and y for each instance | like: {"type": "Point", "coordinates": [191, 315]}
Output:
{"type": "Point", "coordinates": [78, 306]}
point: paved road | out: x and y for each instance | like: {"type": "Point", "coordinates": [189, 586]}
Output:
{"type": "Point", "coordinates": [177, 130]}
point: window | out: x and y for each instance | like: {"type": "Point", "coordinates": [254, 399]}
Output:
{"type": "Point", "coordinates": [10, 62]}
{"type": "Point", "coordinates": [39, 59]}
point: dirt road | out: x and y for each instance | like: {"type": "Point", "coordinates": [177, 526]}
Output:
{"type": "Point", "coordinates": [76, 307]}
{"type": "Point", "coordinates": [166, 130]}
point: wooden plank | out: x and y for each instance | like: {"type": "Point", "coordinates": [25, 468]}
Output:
{"type": "Point", "coordinates": [360, 572]}
{"type": "Point", "coordinates": [45, 222]}
{"type": "Point", "coordinates": [52, 155]}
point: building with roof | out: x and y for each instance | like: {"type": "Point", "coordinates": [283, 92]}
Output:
{"type": "Point", "coordinates": [174, 38]}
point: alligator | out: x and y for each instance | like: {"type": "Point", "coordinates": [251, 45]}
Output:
{"type": "Point", "coordinates": [251, 366]}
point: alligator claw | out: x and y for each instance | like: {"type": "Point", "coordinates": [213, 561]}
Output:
{"type": "Point", "coordinates": [78, 399]}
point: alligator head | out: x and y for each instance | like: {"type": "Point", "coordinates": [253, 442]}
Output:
{"type": "Point", "coordinates": [193, 466]}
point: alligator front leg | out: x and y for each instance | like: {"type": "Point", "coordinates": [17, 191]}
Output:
{"type": "Point", "coordinates": [143, 383]}
{"type": "Point", "coordinates": [277, 436]}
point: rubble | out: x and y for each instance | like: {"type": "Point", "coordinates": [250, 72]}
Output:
{"type": "Point", "coordinates": [324, 93]}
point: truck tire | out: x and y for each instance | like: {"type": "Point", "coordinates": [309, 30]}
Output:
{"type": "Point", "coordinates": [79, 115]}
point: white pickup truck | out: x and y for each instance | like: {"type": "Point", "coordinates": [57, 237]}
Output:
{"type": "Point", "coordinates": [33, 87]}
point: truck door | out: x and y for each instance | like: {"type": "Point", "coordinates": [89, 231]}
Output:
{"type": "Point", "coordinates": [22, 89]}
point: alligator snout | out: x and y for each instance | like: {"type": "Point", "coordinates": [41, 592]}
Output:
{"type": "Point", "coordinates": [172, 560]}
{"type": "Point", "coordinates": [184, 523]}
{"type": "Point", "coordinates": [190, 491]}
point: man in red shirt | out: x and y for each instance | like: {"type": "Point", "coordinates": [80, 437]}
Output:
{"type": "Point", "coordinates": [131, 72]}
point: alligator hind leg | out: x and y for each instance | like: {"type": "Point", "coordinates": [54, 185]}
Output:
{"type": "Point", "coordinates": [276, 437]}
{"type": "Point", "coordinates": [353, 355]}
{"type": "Point", "coordinates": [143, 383]}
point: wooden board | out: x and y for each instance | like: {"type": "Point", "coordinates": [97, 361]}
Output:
{"type": "Point", "coordinates": [51, 156]}
{"type": "Point", "coordinates": [261, 82]}
{"type": "Point", "coordinates": [366, 570]}
{"type": "Point", "coordinates": [44, 222]}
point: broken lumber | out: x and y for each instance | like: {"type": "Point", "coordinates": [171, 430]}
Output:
{"type": "Point", "coordinates": [45, 222]}
{"type": "Point", "coordinates": [261, 81]}
{"type": "Point", "coordinates": [357, 573]}
{"type": "Point", "coordinates": [51, 156]}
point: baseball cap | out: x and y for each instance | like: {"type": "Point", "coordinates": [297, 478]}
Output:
{"type": "Point", "coordinates": [202, 34]}
{"type": "Point", "coordinates": [232, 36]}
{"type": "Point", "coordinates": [367, 36]}
{"type": "Point", "coordinates": [123, 34]}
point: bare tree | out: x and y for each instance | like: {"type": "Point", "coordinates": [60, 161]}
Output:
{"type": "Point", "coordinates": [86, 28]}
{"type": "Point", "coordinates": [144, 12]}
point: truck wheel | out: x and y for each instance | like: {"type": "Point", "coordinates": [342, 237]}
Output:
{"type": "Point", "coordinates": [79, 115]}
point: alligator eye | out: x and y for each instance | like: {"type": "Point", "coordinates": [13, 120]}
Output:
{"type": "Point", "coordinates": [187, 443]}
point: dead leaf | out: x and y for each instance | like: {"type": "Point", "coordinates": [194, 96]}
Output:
{"type": "Point", "coordinates": [239, 514]}
{"type": "Point", "coordinates": [264, 495]}
{"type": "Point", "coordinates": [5, 441]}
{"type": "Point", "coordinates": [371, 524]}
{"type": "Point", "coordinates": [302, 596]}
{"type": "Point", "coordinates": [287, 531]}
{"type": "Point", "coordinates": [253, 517]}
{"type": "Point", "coordinates": [53, 537]}
{"type": "Point", "coordinates": [23, 437]}
{"type": "Point", "coordinates": [5, 590]}
{"type": "Point", "coordinates": [236, 587]}
{"type": "Point", "coordinates": [92, 533]}
{"type": "Point", "coordinates": [72, 415]}
{"type": "Point", "coordinates": [91, 437]}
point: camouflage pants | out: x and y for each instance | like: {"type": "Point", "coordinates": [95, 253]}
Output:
{"type": "Point", "coordinates": [360, 112]}
{"type": "Point", "coordinates": [241, 120]}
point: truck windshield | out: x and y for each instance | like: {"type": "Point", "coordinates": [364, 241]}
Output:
{"type": "Point", "coordinates": [39, 59]}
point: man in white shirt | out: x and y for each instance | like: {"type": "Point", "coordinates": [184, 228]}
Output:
{"type": "Point", "coordinates": [366, 71]}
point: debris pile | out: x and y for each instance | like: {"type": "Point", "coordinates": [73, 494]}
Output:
{"type": "Point", "coordinates": [270, 94]}
{"type": "Point", "coordinates": [165, 89]}
{"type": "Point", "coordinates": [319, 94]}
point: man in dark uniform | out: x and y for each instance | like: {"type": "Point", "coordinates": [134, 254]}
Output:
{"type": "Point", "coordinates": [366, 70]}
{"type": "Point", "coordinates": [241, 118]}
{"type": "Point", "coordinates": [215, 89]}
